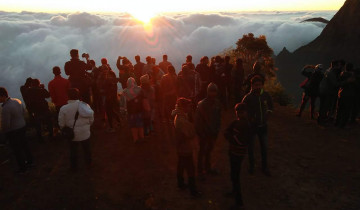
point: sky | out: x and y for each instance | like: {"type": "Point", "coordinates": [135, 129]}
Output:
{"type": "Point", "coordinates": [161, 6]}
{"type": "Point", "coordinates": [31, 43]}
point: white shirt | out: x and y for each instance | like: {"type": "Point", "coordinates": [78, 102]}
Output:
{"type": "Point", "coordinates": [84, 121]}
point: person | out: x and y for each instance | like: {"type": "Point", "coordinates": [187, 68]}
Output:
{"type": "Point", "coordinates": [14, 126]}
{"type": "Point", "coordinates": [259, 107]}
{"type": "Point", "coordinates": [356, 105]}
{"type": "Point", "coordinates": [238, 134]}
{"type": "Point", "coordinates": [219, 78]}
{"type": "Point", "coordinates": [155, 78]}
{"type": "Point", "coordinates": [95, 72]}
{"type": "Point", "coordinates": [328, 90]}
{"type": "Point", "coordinates": [256, 72]}
{"type": "Point", "coordinates": [205, 76]}
{"type": "Point", "coordinates": [78, 77]}
{"type": "Point", "coordinates": [238, 80]}
{"type": "Point", "coordinates": [148, 67]}
{"type": "Point", "coordinates": [347, 95]}
{"type": "Point", "coordinates": [168, 90]}
{"type": "Point", "coordinates": [189, 63]}
{"type": "Point", "coordinates": [207, 126]}
{"type": "Point", "coordinates": [135, 107]}
{"type": "Point", "coordinates": [149, 111]}
{"type": "Point", "coordinates": [138, 69]}
{"type": "Point", "coordinates": [81, 125]}
{"type": "Point", "coordinates": [185, 136]}
{"type": "Point", "coordinates": [24, 93]}
{"type": "Point", "coordinates": [107, 83]}
{"type": "Point", "coordinates": [311, 87]}
{"type": "Point", "coordinates": [228, 68]}
{"type": "Point", "coordinates": [188, 83]}
{"type": "Point", "coordinates": [165, 64]}
{"type": "Point", "coordinates": [40, 108]}
{"type": "Point", "coordinates": [58, 88]}
{"type": "Point", "coordinates": [125, 70]}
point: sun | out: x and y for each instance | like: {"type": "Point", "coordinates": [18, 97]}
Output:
{"type": "Point", "coordinates": [144, 16]}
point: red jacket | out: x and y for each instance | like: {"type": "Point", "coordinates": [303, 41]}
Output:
{"type": "Point", "coordinates": [58, 88]}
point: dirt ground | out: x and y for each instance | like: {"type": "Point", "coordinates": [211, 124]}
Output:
{"type": "Point", "coordinates": [312, 167]}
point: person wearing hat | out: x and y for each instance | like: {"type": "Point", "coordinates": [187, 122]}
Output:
{"type": "Point", "coordinates": [314, 75]}
{"type": "Point", "coordinates": [185, 136]}
{"type": "Point", "coordinates": [207, 125]}
{"type": "Point", "coordinates": [238, 134]}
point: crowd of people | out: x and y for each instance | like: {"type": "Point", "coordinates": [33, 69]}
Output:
{"type": "Point", "coordinates": [338, 89]}
{"type": "Point", "coordinates": [192, 101]}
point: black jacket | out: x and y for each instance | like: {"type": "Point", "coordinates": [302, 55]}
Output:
{"type": "Point", "coordinates": [258, 107]}
{"type": "Point", "coordinates": [76, 69]}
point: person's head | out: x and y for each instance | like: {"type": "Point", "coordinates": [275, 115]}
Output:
{"type": "Point", "coordinates": [239, 62]}
{"type": "Point", "coordinates": [241, 111]}
{"type": "Point", "coordinates": [171, 69]}
{"type": "Point", "coordinates": [218, 59]}
{"type": "Point", "coordinates": [131, 83]}
{"type": "Point", "coordinates": [185, 68]}
{"type": "Point", "coordinates": [92, 62]}
{"type": "Point", "coordinates": [342, 63]}
{"type": "Point", "coordinates": [137, 58]}
{"type": "Point", "coordinates": [184, 104]}
{"type": "Point", "coordinates": [257, 84]}
{"type": "Point", "coordinates": [349, 67]}
{"type": "Point", "coordinates": [155, 70]}
{"type": "Point", "coordinates": [204, 60]}
{"type": "Point", "coordinates": [212, 91]}
{"type": "Point", "coordinates": [74, 53]}
{"type": "Point", "coordinates": [257, 67]}
{"type": "Point", "coordinates": [227, 59]}
{"type": "Point", "coordinates": [165, 57]}
{"type": "Point", "coordinates": [104, 61]}
{"type": "Point", "coordinates": [28, 82]}
{"type": "Point", "coordinates": [35, 83]}
{"type": "Point", "coordinates": [334, 64]}
{"type": "Point", "coordinates": [189, 59]}
{"type": "Point", "coordinates": [153, 61]}
{"type": "Point", "coordinates": [148, 59]}
{"type": "Point", "coordinates": [319, 67]}
{"type": "Point", "coordinates": [125, 61]}
{"type": "Point", "coordinates": [56, 71]}
{"type": "Point", "coordinates": [144, 80]}
{"type": "Point", "coordinates": [73, 94]}
{"type": "Point", "coordinates": [3, 94]}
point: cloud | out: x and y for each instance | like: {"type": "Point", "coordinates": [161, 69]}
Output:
{"type": "Point", "coordinates": [32, 43]}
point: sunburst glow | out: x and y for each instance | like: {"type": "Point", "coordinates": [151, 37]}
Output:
{"type": "Point", "coordinates": [144, 16]}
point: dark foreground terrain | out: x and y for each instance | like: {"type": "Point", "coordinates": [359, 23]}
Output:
{"type": "Point", "coordinates": [313, 168]}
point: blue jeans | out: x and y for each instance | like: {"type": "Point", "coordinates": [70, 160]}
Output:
{"type": "Point", "coordinates": [261, 133]}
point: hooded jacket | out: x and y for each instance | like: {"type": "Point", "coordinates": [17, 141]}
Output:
{"type": "Point", "coordinates": [184, 132]}
{"type": "Point", "coordinates": [84, 121]}
{"type": "Point", "coordinates": [258, 106]}
{"type": "Point", "coordinates": [208, 116]}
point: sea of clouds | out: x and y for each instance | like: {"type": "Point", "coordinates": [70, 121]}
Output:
{"type": "Point", "coordinates": [32, 43]}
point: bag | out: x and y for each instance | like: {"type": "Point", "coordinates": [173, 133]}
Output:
{"type": "Point", "coordinates": [67, 132]}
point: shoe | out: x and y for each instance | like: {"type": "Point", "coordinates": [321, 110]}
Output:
{"type": "Point", "coordinates": [266, 172]}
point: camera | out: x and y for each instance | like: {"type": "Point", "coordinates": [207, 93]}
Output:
{"type": "Point", "coordinates": [85, 55]}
